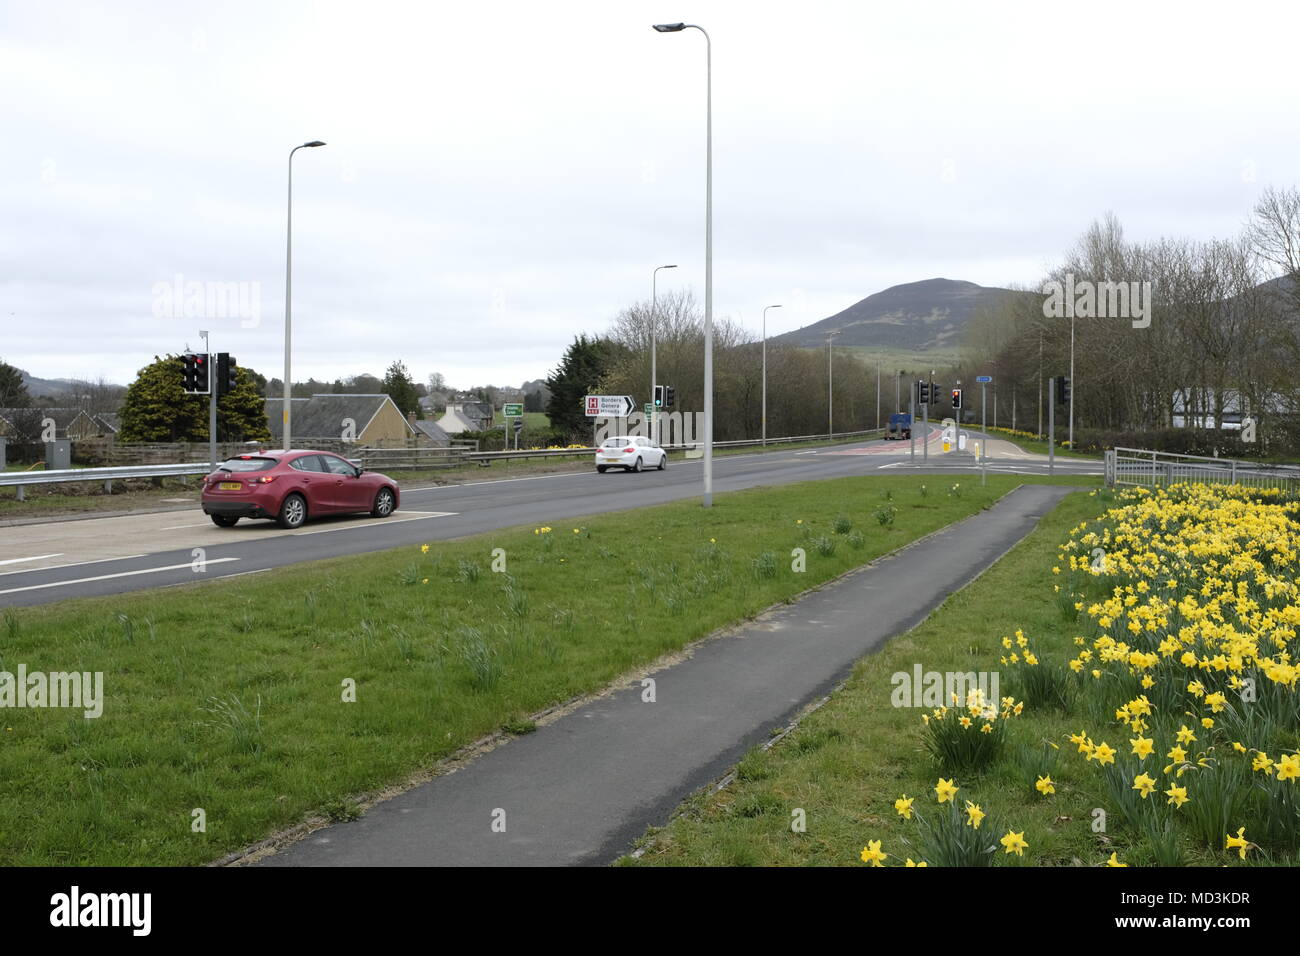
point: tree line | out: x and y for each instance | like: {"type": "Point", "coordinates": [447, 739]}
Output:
{"type": "Point", "coordinates": [803, 385]}
{"type": "Point", "coordinates": [1221, 338]}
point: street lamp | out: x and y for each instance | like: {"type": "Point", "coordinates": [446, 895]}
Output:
{"type": "Point", "coordinates": [765, 308]}
{"type": "Point", "coordinates": [288, 301]}
{"type": "Point", "coordinates": [654, 328]}
{"type": "Point", "coordinates": [708, 252]}
{"type": "Point", "coordinates": [830, 392]}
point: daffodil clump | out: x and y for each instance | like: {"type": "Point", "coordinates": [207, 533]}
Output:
{"type": "Point", "coordinates": [960, 834]}
{"type": "Point", "coordinates": [1189, 601]}
{"type": "Point", "coordinates": [1044, 682]}
{"type": "Point", "coordinates": [969, 736]}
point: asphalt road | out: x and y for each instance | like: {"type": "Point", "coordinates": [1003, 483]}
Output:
{"type": "Point", "coordinates": [53, 561]}
{"type": "Point", "coordinates": [581, 789]}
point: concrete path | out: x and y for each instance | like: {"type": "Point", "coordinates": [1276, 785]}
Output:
{"type": "Point", "coordinates": [581, 789]}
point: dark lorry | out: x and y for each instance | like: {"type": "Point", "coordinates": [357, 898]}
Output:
{"type": "Point", "coordinates": [900, 426]}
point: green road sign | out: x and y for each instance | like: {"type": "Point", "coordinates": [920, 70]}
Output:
{"type": "Point", "coordinates": [649, 409]}
{"type": "Point", "coordinates": [513, 410]}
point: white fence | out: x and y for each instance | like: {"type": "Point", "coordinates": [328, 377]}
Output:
{"type": "Point", "coordinates": [1151, 469]}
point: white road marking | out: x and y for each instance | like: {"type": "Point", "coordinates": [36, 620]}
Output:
{"type": "Point", "coordinates": [38, 557]}
{"type": "Point", "coordinates": [175, 527]}
{"type": "Point", "coordinates": [355, 527]}
{"type": "Point", "coordinates": [120, 574]}
{"type": "Point", "coordinates": [74, 564]}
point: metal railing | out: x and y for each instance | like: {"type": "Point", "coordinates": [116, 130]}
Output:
{"type": "Point", "coordinates": [1153, 469]}
{"type": "Point", "coordinates": [414, 459]}
{"type": "Point", "coordinates": [21, 479]}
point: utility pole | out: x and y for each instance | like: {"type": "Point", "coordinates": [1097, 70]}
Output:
{"type": "Point", "coordinates": [1040, 383]}
{"type": "Point", "coordinates": [911, 420]}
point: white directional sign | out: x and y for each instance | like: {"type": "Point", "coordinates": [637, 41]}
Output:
{"type": "Point", "coordinates": [609, 406]}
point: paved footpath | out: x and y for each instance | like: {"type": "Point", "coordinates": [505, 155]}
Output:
{"type": "Point", "coordinates": [581, 789]}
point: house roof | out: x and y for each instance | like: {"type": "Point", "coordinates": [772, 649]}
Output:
{"type": "Point", "coordinates": [63, 417]}
{"type": "Point", "coordinates": [433, 431]}
{"type": "Point", "coordinates": [325, 416]}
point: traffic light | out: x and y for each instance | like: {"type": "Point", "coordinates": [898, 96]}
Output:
{"type": "Point", "coordinates": [659, 396]}
{"type": "Point", "coordinates": [1062, 390]}
{"type": "Point", "coordinates": [227, 373]}
{"type": "Point", "coordinates": [669, 396]}
{"type": "Point", "coordinates": [925, 393]}
{"type": "Point", "coordinates": [956, 398]}
{"type": "Point", "coordinates": [194, 373]}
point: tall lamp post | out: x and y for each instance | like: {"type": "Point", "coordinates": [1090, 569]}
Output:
{"type": "Point", "coordinates": [830, 380]}
{"type": "Point", "coordinates": [654, 331]}
{"type": "Point", "coordinates": [765, 308]}
{"type": "Point", "coordinates": [288, 303]}
{"type": "Point", "coordinates": [708, 252]}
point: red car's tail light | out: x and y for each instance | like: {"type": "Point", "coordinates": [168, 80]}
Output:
{"type": "Point", "coordinates": [264, 480]}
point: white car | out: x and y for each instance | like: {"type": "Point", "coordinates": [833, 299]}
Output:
{"type": "Point", "coordinates": [631, 453]}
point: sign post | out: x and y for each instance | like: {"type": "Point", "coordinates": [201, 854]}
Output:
{"type": "Point", "coordinates": [1051, 426]}
{"type": "Point", "coordinates": [513, 410]}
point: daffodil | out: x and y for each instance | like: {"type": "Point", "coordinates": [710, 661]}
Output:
{"type": "Point", "coordinates": [1044, 785]}
{"type": "Point", "coordinates": [1114, 860]}
{"type": "Point", "coordinates": [871, 854]}
{"type": "Point", "coordinates": [945, 790]}
{"type": "Point", "coordinates": [1239, 842]}
{"type": "Point", "coordinates": [904, 806]}
{"type": "Point", "coordinates": [1015, 842]}
{"type": "Point", "coordinates": [974, 815]}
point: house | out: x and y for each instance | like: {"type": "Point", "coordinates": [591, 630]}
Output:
{"type": "Point", "coordinates": [68, 422]}
{"type": "Point", "coordinates": [365, 419]}
{"type": "Point", "coordinates": [110, 423]}
{"type": "Point", "coordinates": [466, 417]}
{"type": "Point", "coordinates": [428, 432]}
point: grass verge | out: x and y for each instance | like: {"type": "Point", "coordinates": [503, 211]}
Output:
{"type": "Point", "coordinates": [231, 696]}
{"type": "Point", "coordinates": [848, 761]}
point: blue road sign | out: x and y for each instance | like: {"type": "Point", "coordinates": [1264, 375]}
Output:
{"type": "Point", "coordinates": [983, 378]}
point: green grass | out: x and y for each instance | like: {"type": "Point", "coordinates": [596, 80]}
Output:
{"type": "Point", "coordinates": [847, 762]}
{"type": "Point", "coordinates": [228, 696]}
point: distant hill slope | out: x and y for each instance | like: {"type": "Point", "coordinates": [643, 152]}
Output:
{"type": "Point", "coordinates": [915, 316]}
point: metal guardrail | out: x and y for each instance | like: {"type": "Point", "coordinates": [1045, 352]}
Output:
{"type": "Point", "coordinates": [366, 458]}
{"type": "Point", "coordinates": [1153, 469]}
{"type": "Point", "coordinates": [21, 479]}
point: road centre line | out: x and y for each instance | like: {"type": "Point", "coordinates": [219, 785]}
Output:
{"type": "Point", "coordinates": [38, 557]}
{"type": "Point", "coordinates": [120, 574]}
{"type": "Point", "coordinates": [74, 564]}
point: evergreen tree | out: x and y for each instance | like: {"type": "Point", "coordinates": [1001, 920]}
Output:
{"type": "Point", "coordinates": [578, 375]}
{"type": "Point", "coordinates": [156, 408]}
{"type": "Point", "coordinates": [400, 387]}
{"type": "Point", "coordinates": [13, 393]}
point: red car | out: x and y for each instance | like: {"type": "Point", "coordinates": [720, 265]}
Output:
{"type": "Point", "coordinates": [291, 486]}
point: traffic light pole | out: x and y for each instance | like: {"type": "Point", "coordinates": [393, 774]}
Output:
{"type": "Point", "coordinates": [1051, 426]}
{"type": "Point", "coordinates": [925, 432]}
{"type": "Point", "coordinates": [911, 421]}
{"type": "Point", "coordinates": [212, 402]}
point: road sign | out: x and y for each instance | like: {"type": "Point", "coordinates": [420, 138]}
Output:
{"type": "Point", "coordinates": [519, 424]}
{"type": "Point", "coordinates": [513, 409]}
{"type": "Point", "coordinates": [649, 409]}
{"type": "Point", "coordinates": [609, 406]}
{"type": "Point", "coordinates": [983, 379]}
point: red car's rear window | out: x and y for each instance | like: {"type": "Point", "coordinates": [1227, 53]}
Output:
{"type": "Point", "coordinates": [247, 464]}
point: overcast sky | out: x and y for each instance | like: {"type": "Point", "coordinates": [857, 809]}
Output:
{"type": "Point", "coordinates": [501, 176]}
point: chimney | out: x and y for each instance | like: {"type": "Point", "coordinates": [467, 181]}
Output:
{"type": "Point", "coordinates": [410, 418]}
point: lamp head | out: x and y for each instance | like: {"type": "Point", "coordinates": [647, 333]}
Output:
{"type": "Point", "coordinates": [314, 142]}
{"type": "Point", "coordinates": [670, 27]}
